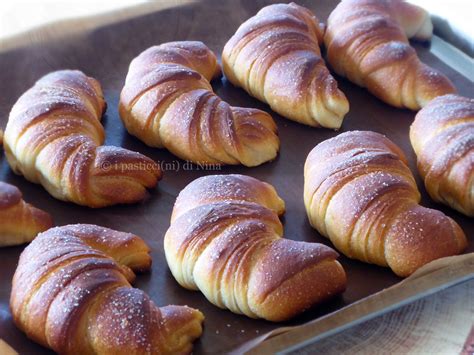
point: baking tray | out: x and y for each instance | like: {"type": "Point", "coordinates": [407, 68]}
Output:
{"type": "Point", "coordinates": [103, 47]}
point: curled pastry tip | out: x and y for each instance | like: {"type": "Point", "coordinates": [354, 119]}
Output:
{"type": "Point", "coordinates": [20, 222]}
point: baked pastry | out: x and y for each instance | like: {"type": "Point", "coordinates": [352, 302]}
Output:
{"type": "Point", "coordinates": [442, 136]}
{"type": "Point", "coordinates": [367, 42]}
{"type": "Point", "coordinates": [71, 292]}
{"type": "Point", "coordinates": [167, 101]}
{"type": "Point", "coordinates": [225, 240]}
{"type": "Point", "coordinates": [20, 222]}
{"type": "Point", "coordinates": [360, 193]}
{"type": "Point", "coordinates": [6, 349]}
{"type": "Point", "coordinates": [54, 137]}
{"type": "Point", "coordinates": [275, 57]}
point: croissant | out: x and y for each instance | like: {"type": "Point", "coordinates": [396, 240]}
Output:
{"type": "Point", "coordinates": [71, 292]}
{"type": "Point", "coordinates": [54, 137]}
{"type": "Point", "coordinates": [167, 101]}
{"type": "Point", "coordinates": [20, 222]}
{"type": "Point", "coordinates": [367, 42]}
{"type": "Point", "coordinates": [275, 57]}
{"type": "Point", "coordinates": [360, 193]}
{"type": "Point", "coordinates": [225, 240]}
{"type": "Point", "coordinates": [442, 136]}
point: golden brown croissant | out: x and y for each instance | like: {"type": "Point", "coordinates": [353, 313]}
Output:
{"type": "Point", "coordinates": [167, 101]}
{"type": "Point", "coordinates": [442, 136]}
{"type": "Point", "coordinates": [71, 292]}
{"type": "Point", "coordinates": [225, 239]}
{"type": "Point", "coordinates": [20, 222]}
{"type": "Point", "coordinates": [54, 137]}
{"type": "Point", "coordinates": [360, 193]}
{"type": "Point", "coordinates": [367, 42]}
{"type": "Point", "coordinates": [275, 57]}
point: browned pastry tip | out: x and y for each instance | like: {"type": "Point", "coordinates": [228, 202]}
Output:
{"type": "Point", "coordinates": [54, 137]}
{"type": "Point", "coordinates": [20, 222]}
{"type": "Point", "coordinates": [168, 102]}
{"type": "Point", "coordinates": [71, 292]}
{"type": "Point", "coordinates": [360, 193]}
{"type": "Point", "coordinates": [275, 57]}
{"type": "Point", "coordinates": [442, 136]}
{"type": "Point", "coordinates": [367, 42]}
{"type": "Point", "coordinates": [225, 240]}
{"type": "Point", "coordinates": [6, 349]}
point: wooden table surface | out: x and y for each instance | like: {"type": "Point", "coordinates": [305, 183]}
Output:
{"type": "Point", "coordinates": [438, 324]}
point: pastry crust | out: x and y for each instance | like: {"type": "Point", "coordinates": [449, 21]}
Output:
{"type": "Point", "coordinates": [20, 222]}
{"type": "Point", "coordinates": [54, 137]}
{"type": "Point", "coordinates": [6, 349]}
{"type": "Point", "coordinates": [71, 292]}
{"type": "Point", "coordinates": [275, 57]}
{"type": "Point", "coordinates": [168, 101]}
{"type": "Point", "coordinates": [367, 42]}
{"type": "Point", "coordinates": [225, 240]}
{"type": "Point", "coordinates": [442, 136]}
{"type": "Point", "coordinates": [360, 193]}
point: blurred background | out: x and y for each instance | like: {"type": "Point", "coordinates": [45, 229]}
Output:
{"type": "Point", "coordinates": [453, 19]}
{"type": "Point", "coordinates": [17, 16]}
